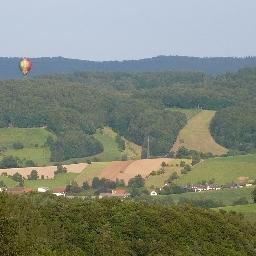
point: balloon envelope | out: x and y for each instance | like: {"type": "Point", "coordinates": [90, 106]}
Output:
{"type": "Point", "coordinates": [25, 66]}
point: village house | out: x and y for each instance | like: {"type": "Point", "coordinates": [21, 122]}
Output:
{"type": "Point", "coordinates": [207, 187]}
{"type": "Point", "coordinates": [120, 193]}
{"type": "Point", "coordinates": [42, 190]}
{"type": "Point", "coordinates": [59, 191]}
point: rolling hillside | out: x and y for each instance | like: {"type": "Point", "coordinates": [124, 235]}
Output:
{"type": "Point", "coordinates": [33, 140]}
{"type": "Point", "coordinates": [122, 170]}
{"type": "Point", "coordinates": [111, 151]}
{"type": "Point", "coordinates": [196, 135]}
{"type": "Point", "coordinates": [46, 66]}
{"type": "Point", "coordinates": [47, 178]}
{"type": "Point", "coordinates": [223, 170]}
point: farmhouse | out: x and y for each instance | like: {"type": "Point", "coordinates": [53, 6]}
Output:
{"type": "Point", "coordinates": [59, 191]}
{"type": "Point", "coordinates": [42, 190]}
{"type": "Point", "coordinates": [120, 193]}
{"type": "Point", "coordinates": [207, 187]}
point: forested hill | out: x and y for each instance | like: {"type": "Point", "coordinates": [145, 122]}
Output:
{"type": "Point", "coordinates": [44, 66]}
{"type": "Point", "coordinates": [135, 105]}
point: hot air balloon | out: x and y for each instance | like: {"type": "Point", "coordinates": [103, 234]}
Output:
{"type": "Point", "coordinates": [25, 66]}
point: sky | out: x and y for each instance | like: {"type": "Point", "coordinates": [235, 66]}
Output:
{"type": "Point", "coordinates": [127, 29]}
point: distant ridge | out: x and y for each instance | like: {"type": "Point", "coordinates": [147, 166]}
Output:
{"type": "Point", "coordinates": [56, 65]}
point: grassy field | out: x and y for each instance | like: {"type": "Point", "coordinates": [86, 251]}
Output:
{"type": "Point", "coordinates": [8, 181]}
{"type": "Point", "coordinates": [33, 140]}
{"type": "Point", "coordinates": [90, 172]}
{"type": "Point", "coordinates": [223, 170]}
{"type": "Point", "coordinates": [227, 196]}
{"type": "Point", "coordinates": [60, 180]}
{"type": "Point", "coordinates": [158, 181]}
{"type": "Point", "coordinates": [248, 210]}
{"type": "Point", "coordinates": [111, 151]}
{"type": "Point", "coordinates": [196, 135]}
{"type": "Point", "coordinates": [188, 112]}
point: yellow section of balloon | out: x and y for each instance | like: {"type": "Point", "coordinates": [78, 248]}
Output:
{"type": "Point", "coordinates": [25, 66]}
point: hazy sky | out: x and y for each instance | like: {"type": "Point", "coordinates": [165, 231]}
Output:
{"type": "Point", "coordinates": [127, 29]}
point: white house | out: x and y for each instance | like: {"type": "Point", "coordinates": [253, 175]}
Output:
{"type": "Point", "coordinates": [153, 193]}
{"type": "Point", "coordinates": [42, 190]}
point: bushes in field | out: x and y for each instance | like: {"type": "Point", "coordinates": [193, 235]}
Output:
{"type": "Point", "coordinates": [15, 162]}
{"type": "Point", "coordinates": [18, 145]}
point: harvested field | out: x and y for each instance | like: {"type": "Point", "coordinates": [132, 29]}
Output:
{"type": "Point", "coordinates": [47, 171]}
{"type": "Point", "coordinates": [141, 167]}
{"type": "Point", "coordinates": [76, 168]}
{"type": "Point", "coordinates": [126, 170]}
{"type": "Point", "coordinates": [196, 135]}
{"type": "Point", "coordinates": [111, 172]}
{"type": "Point", "coordinates": [93, 170]}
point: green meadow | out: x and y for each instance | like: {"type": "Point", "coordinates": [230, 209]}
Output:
{"type": "Point", "coordinates": [33, 140]}
{"type": "Point", "coordinates": [222, 169]}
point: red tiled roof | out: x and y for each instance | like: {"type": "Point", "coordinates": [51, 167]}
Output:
{"type": "Point", "coordinates": [59, 190]}
{"type": "Point", "coordinates": [120, 192]}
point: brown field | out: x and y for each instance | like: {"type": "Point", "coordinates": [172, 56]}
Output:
{"type": "Point", "coordinates": [126, 170]}
{"type": "Point", "coordinates": [111, 172]}
{"type": "Point", "coordinates": [47, 171]}
{"type": "Point", "coordinates": [196, 135]}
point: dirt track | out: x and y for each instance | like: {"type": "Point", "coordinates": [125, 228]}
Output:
{"type": "Point", "coordinates": [47, 171]}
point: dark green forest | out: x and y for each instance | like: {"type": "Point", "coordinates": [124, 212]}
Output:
{"type": "Point", "coordinates": [46, 225]}
{"type": "Point", "coordinates": [47, 66]}
{"type": "Point", "coordinates": [134, 104]}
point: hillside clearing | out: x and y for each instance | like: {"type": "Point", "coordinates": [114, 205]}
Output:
{"type": "Point", "coordinates": [33, 140]}
{"type": "Point", "coordinates": [222, 169]}
{"type": "Point", "coordinates": [111, 151]}
{"type": "Point", "coordinates": [196, 135]}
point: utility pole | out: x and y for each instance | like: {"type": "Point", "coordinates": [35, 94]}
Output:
{"type": "Point", "coordinates": [148, 150]}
